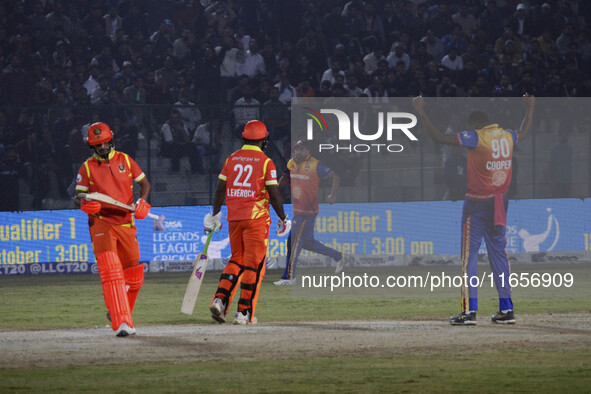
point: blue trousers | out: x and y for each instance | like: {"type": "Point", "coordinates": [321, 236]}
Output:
{"type": "Point", "coordinates": [477, 223]}
{"type": "Point", "coordinates": [302, 236]}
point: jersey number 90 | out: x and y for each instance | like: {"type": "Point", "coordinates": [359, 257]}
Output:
{"type": "Point", "coordinates": [500, 148]}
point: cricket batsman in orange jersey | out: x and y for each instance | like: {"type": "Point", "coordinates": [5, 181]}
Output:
{"type": "Point", "coordinates": [112, 229]}
{"type": "Point", "coordinates": [248, 182]}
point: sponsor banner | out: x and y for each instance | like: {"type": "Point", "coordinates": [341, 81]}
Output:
{"type": "Point", "coordinates": [213, 264]}
{"type": "Point", "coordinates": [385, 261]}
{"type": "Point", "coordinates": [78, 267]}
{"type": "Point", "coordinates": [436, 259]}
{"type": "Point", "coordinates": [170, 266]}
{"type": "Point", "coordinates": [69, 267]}
{"type": "Point", "coordinates": [44, 236]}
{"type": "Point", "coordinates": [558, 257]}
{"type": "Point", "coordinates": [378, 233]}
{"type": "Point", "coordinates": [434, 227]}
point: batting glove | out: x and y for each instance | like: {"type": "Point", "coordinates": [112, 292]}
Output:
{"type": "Point", "coordinates": [283, 227]}
{"type": "Point", "coordinates": [212, 222]}
{"type": "Point", "coordinates": [142, 208]}
{"type": "Point", "coordinates": [90, 207]}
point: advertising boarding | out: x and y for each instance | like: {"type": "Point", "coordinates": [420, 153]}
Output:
{"type": "Point", "coordinates": [30, 240]}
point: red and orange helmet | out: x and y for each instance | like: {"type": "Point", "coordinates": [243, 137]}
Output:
{"type": "Point", "coordinates": [98, 133]}
{"type": "Point", "coordinates": [255, 130]}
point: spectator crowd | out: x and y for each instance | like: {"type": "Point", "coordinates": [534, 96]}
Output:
{"type": "Point", "coordinates": [201, 64]}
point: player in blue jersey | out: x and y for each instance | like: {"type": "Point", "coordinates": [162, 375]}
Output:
{"type": "Point", "coordinates": [490, 152]}
{"type": "Point", "coordinates": [305, 172]}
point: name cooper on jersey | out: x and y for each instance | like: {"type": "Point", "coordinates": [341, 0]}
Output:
{"type": "Point", "coordinates": [498, 165]}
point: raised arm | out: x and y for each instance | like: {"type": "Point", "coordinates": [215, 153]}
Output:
{"type": "Point", "coordinates": [436, 135]}
{"type": "Point", "coordinates": [523, 131]}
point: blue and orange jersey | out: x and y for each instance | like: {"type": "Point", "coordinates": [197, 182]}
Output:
{"type": "Point", "coordinates": [305, 178]}
{"type": "Point", "coordinates": [113, 177]}
{"type": "Point", "coordinates": [490, 154]}
{"type": "Point", "coordinates": [247, 173]}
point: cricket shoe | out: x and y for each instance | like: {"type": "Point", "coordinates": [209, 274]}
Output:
{"type": "Point", "coordinates": [284, 282]}
{"type": "Point", "coordinates": [342, 262]}
{"type": "Point", "coordinates": [463, 319]}
{"type": "Point", "coordinates": [503, 318]}
{"type": "Point", "coordinates": [218, 311]}
{"type": "Point", "coordinates": [240, 318]}
{"type": "Point", "coordinates": [124, 330]}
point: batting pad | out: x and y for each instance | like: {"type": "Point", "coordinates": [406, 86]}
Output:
{"type": "Point", "coordinates": [134, 279]}
{"type": "Point", "coordinates": [114, 292]}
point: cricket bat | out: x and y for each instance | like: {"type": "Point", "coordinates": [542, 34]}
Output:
{"type": "Point", "coordinates": [158, 220]}
{"type": "Point", "coordinates": [110, 200]}
{"type": "Point", "coordinates": [195, 280]}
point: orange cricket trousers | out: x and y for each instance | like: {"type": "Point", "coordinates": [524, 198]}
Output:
{"type": "Point", "coordinates": [249, 240]}
{"type": "Point", "coordinates": [121, 239]}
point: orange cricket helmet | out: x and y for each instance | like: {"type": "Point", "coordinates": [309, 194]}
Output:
{"type": "Point", "coordinates": [98, 133]}
{"type": "Point", "coordinates": [255, 130]}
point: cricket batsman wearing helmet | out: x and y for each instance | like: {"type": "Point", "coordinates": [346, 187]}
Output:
{"type": "Point", "coordinates": [248, 182]}
{"type": "Point", "coordinates": [112, 229]}
{"type": "Point", "coordinates": [490, 151]}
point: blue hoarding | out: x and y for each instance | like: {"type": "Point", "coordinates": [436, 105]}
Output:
{"type": "Point", "coordinates": [370, 228]}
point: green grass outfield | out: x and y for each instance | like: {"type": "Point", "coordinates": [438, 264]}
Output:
{"type": "Point", "coordinates": [539, 371]}
{"type": "Point", "coordinates": [75, 301]}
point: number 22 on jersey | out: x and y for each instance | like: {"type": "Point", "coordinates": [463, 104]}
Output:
{"type": "Point", "coordinates": [242, 170]}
